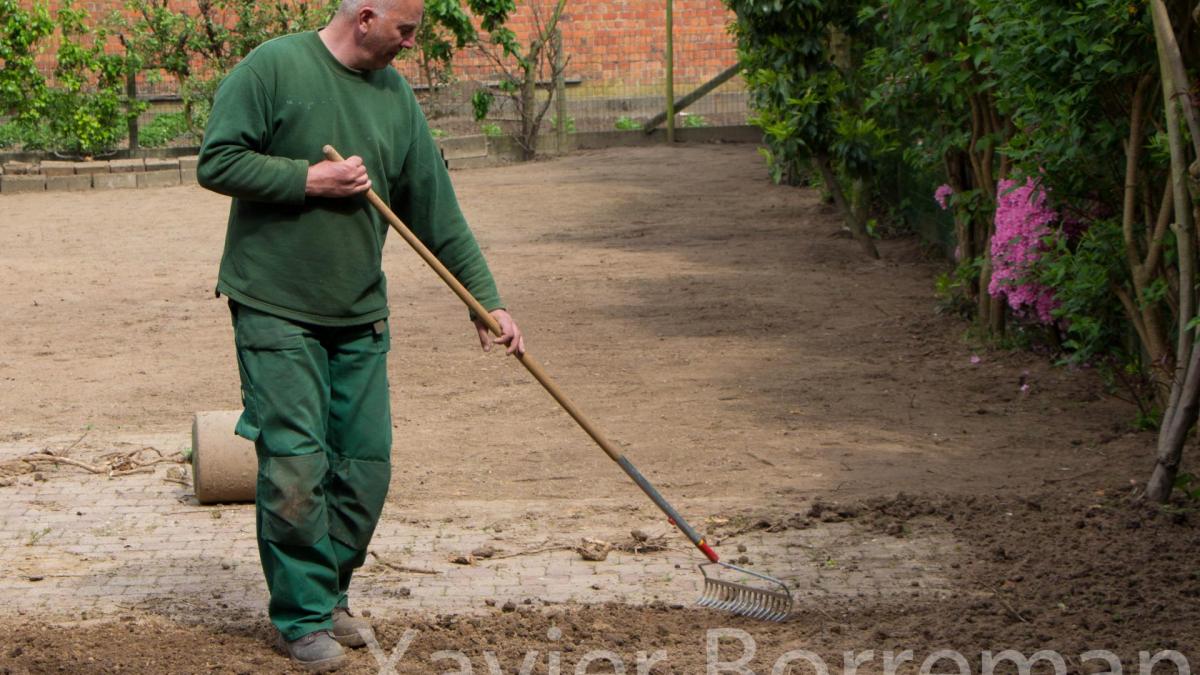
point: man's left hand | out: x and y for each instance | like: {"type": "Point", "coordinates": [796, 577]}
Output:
{"type": "Point", "coordinates": [510, 334]}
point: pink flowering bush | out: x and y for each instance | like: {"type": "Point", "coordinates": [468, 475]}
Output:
{"type": "Point", "coordinates": [1023, 226]}
{"type": "Point", "coordinates": [942, 196]}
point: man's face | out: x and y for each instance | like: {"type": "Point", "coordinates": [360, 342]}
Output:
{"type": "Point", "coordinates": [388, 27]}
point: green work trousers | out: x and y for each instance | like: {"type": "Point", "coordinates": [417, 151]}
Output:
{"type": "Point", "coordinates": [316, 405]}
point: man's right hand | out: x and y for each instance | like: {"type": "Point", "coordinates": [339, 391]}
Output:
{"type": "Point", "coordinates": [337, 179]}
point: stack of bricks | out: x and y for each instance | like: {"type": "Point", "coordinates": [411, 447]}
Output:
{"type": "Point", "coordinates": [105, 175]}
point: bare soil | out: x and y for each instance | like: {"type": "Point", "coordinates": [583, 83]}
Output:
{"type": "Point", "coordinates": [718, 327]}
{"type": "Point", "coordinates": [1045, 572]}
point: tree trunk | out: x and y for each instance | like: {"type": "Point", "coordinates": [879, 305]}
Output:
{"type": "Point", "coordinates": [858, 227]}
{"type": "Point", "coordinates": [1181, 411]}
{"type": "Point", "coordinates": [528, 104]}
{"type": "Point", "coordinates": [1173, 434]}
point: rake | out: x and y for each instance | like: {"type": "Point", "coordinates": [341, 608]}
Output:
{"type": "Point", "coordinates": [768, 600]}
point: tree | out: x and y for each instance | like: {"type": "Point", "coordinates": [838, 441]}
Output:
{"type": "Point", "coordinates": [197, 46]}
{"type": "Point", "coordinates": [927, 83]}
{"type": "Point", "coordinates": [1180, 112]}
{"type": "Point", "coordinates": [806, 97]}
{"type": "Point", "coordinates": [447, 28]}
{"type": "Point", "coordinates": [524, 68]}
{"type": "Point", "coordinates": [21, 32]}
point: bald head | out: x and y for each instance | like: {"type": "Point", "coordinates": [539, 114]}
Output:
{"type": "Point", "coordinates": [369, 34]}
{"type": "Point", "coordinates": [349, 8]}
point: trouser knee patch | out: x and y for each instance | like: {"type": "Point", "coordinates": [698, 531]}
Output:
{"type": "Point", "coordinates": [357, 492]}
{"type": "Point", "coordinates": [291, 498]}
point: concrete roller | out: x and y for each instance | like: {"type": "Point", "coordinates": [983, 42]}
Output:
{"type": "Point", "coordinates": [224, 465]}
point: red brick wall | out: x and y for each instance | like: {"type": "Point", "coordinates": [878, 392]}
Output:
{"type": "Point", "coordinates": [623, 42]}
{"type": "Point", "coordinates": [610, 43]}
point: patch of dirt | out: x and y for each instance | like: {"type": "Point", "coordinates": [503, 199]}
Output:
{"type": "Point", "coordinates": [714, 325]}
{"type": "Point", "coordinates": [1065, 572]}
{"type": "Point", "coordinates": [697, 313]}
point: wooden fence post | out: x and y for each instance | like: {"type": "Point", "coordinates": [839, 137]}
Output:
{"type": "Point", "coordinates": [670, 91]}
{"type": "Point", "coordinates": [560, 93]}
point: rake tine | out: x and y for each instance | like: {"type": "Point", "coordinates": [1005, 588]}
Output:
{"type": "Point", "coordinates": [773, 609]}
{"type": "Point", "coordinates": [763, 611]}
{"type": "Point", "coordinates": [754, 612]}
{"type": "Point", "coordinates": [748, 603]}
{"type": "Point", "coordinates": [729, 604]}
{"type": "Point", "coordinates": [735, 605]}
{"type": "Point", "coordinates": [720, 601]}
{"type": "Point", "coordinates": [739, 601]}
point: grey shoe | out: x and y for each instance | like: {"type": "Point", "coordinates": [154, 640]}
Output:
{"type": "Point", "coordinates": [349, 629]}
{"type": "Point", "coordinates": [316, 652]}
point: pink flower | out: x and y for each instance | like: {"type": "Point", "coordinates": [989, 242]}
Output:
{"type": "Point", "coordinates": [942, 196]}
{"type": "Point", "coordinates": [975, 360]}
{"type": "Point", "coordinates": [1023, 223]}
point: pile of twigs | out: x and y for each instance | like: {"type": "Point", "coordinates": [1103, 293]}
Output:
{"type": "Point", "coordinates": [113, 464]}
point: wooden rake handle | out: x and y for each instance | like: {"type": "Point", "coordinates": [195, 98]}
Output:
{"type": "Point", "coordinates": [531, 364]}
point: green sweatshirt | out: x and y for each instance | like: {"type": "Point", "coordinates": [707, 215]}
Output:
{"type": "Point", "coordinates": [317, 260]}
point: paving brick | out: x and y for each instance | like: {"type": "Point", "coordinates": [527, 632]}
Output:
{"type": "Point", "coordinates": [52, 167]}
{"type": "Point", "coordinates": [464, 147]}
{"type": "Point", "coordinates": [187, 176]}
{"type": "Point", "coordinates": [88, 168]}
{"type": "Point", "coordinates": [161, 164]}
{"type": "Point", "coordinates": [126, 165]}
{"type": "Point", "coordinates": [22, 183]}
{"type": "Point", "coordinates": [19, 168]}
{"type": "Point", "coordinates": [189, 162]}
{"type": "Point", "coordinates": [150, 552]}
{"type": "Point", "coordinates": [158, 179]}
{"type": "Point", "coordinates": [68, 183]}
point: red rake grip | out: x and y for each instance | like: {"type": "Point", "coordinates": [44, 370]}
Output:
{"type": "Point", "coordinates": [707, 551]}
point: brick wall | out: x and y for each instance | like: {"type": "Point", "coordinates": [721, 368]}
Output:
{"type": "Point", "coordinates": [611, 44]}
{"type": "Point", "coordinates": [623, 42]}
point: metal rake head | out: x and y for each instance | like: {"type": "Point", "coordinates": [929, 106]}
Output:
{"type": "Point", "coordinates": [773, 603]}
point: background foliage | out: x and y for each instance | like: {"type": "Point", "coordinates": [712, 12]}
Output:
{"type": "Point", "coordinates": [1059, 156]}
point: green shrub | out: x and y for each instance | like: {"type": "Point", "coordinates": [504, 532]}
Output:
{"type": "Point", "coordinates": [10, 135]}
{"type": "Point", "coordinates": [570, 123]}
{"type": "Point", "coordinates": [626, 123]}
{"type": "Point", "coordinates": [86, 111]}
{"type": "Point", "coordinates": [163, 129]}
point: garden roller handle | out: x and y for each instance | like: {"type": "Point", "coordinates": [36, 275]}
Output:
{"type": "Point", "coordinates": [533, 366]}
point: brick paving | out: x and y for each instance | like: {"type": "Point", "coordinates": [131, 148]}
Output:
{"type": "Point", "coordinates": [81, 546]}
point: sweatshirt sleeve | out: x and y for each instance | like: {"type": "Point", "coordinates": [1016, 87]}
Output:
{"type": "Point", "coordinates": [424, 199]}
{"type": "Point", "coordinates": [233, 158]}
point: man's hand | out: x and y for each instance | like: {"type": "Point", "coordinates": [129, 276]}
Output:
{"type": "Point", "coordinates": [337, 179]}
{"type": "Point", "coordinates": [510, 334]}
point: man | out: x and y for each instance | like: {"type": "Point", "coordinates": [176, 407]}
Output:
{"type": "Point", "coordinates": [301, 269]}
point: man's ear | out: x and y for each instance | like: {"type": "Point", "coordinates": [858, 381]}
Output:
{"type": "Point", "coordinates": [366, 14]}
